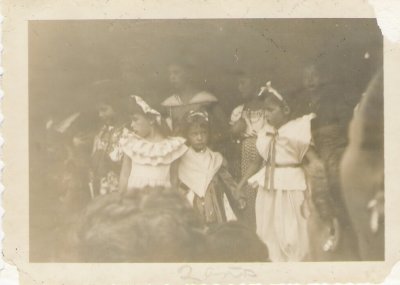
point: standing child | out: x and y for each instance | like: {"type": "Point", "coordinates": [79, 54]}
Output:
{"type": "Point", "coordinates": [203, 174]}
{"type": "Point", "coordinates": [105, 166]}
{"type": "Point", "coordinates": [281, 202]}
{"type": "Point", "coordinates": [149, 155]}
{"type": "Point", "coordinates": [246, 120]}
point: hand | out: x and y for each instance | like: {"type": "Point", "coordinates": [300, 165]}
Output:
{"type": "Point", "coordinates": [240, 190]}
{"type": "Point", "coordinates": [334, 236]}
{"type": "Point", "coordinates": [242, 204]}
{"type": "Point", "coordinates": [376, 207]}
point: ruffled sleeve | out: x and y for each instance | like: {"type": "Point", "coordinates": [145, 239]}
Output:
{"type": "Point", "coordinates": [236, 114]}
{"type": "Point", "coordinates": [142, 151]}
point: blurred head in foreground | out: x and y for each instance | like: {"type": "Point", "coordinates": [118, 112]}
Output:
{"type": "Point", "coordinates": [159, 225]}
{"type": "Point", "coordinates": [151, 225]}
{"type": "Point", "coordinates": [235, 242]}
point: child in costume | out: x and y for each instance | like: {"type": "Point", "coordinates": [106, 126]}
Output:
{"type": "Point", "coordinates": [246, 120]}
{"type": "Point", "coordinates": [105, 166]}
{"type": "Point", "coordinates": [149, 155]}
{"type": "Point", "coordinates": [203, 174]}
{"type": "Point", "coordinates": [282, 211]}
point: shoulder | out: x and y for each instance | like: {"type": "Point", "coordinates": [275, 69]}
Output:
{"type": "Point", "coordinates": [302, 120]}
{"type": "Point", "coordinates": [299, 129]}
{"type": "Point", "coordinates": [171, 101]}
{"type": "Point", "coordinates": [203, 97]}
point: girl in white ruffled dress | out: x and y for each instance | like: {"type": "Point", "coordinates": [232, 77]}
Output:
{"type": "Point", "coordinates": [282, 210]}
{"type": "Point", "coordinates": [149, 156]}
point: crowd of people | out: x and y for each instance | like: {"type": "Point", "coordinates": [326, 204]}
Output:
{"type": "Point", "coordinates": [280, 180]}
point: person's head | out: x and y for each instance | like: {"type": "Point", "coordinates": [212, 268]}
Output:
{"type": "Point", "coordinates": [234, 242]}
{"type": "Point", "coordinates": [181, 73]}
{"type": "Point", "coordinates": [109, 108]}
{"type": "Point", "coordinates": [145, 121]}
{"type": "Point", "coordinates": [248, 83]}
{"type": "Point", "coordinates": [148, 225]}
{"type": "Point", "coordinates": [311, 77]}
{"type": "Point", "coordinates": [247, 86]}
{"type": "Point", "coordinates": [276, 106]}
{"type": "Point", "coordinates": [196, 129]}
{"type": "Point", "coordinates": [109, 104]}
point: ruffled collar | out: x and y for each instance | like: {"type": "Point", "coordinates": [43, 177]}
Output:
{"type": "Point", "coordinates": [153, 153]}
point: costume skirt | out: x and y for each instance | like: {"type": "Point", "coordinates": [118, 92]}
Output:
{"type": "Point", "coordinates": [281, 225]}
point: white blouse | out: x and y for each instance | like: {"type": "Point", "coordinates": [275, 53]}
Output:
{"type": "Point", "coordinates": [292, 142]}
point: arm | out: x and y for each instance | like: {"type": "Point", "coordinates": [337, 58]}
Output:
{"type": "Point", "coordinates": [230, 185]}
{"type": "Point", "coordinates": [125, 172]}
{"type": "Point", "coordinates": [253, 168]}
{"type": "Point", "coordinates": [315, 172]}
{"type": "Point", "coordinates": [238, 128]}
{"type": "Point", "coordinates": [174, 174]}
{"type": "Point", "coordinates": [220, 123]}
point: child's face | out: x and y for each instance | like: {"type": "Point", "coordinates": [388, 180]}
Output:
{"type": "Point", "coordinates": [141, 125]}
{"type": "Point", "coordinates": [106, 112]}
{"type": "Point", "coordinates": [198, 137]}
{"type": "Point", "coordinates": [276, 113]}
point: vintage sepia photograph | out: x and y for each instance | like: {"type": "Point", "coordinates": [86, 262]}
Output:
{"type": "Point", "coordinates": [206, 140]}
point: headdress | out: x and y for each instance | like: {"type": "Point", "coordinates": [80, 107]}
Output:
{"type": "Point", "coordinates": [146, 107]}
{"type": "Point", "coordinates": [192, 114]}
{"type": "Point", "coordinates": [271, 90]}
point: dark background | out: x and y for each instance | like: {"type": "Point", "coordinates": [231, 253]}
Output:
{"type": "Point", "coordinates": [67, 57]}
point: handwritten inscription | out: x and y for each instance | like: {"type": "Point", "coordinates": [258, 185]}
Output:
{"type": "Point", "coordinates": [186, 273]}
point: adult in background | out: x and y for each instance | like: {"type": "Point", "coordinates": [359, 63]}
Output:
{"type": "Point", "coordinates": [327, 100]}
{"type": "Point", "coordinates": [189, 97]}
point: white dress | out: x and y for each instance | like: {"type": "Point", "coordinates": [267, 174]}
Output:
{"type": "Point", "coordinates": [280, 222]}
{"type": "Point", "coordinates": [151, 161]}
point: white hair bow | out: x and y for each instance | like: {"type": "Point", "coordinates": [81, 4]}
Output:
{"type": "Point", "coordinates": [146, 107]}
{"type": "Point", "coordinates": [271, 90]}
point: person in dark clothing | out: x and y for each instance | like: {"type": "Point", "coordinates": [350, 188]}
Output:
{"type": "Point", "coordinates": [327, 100]}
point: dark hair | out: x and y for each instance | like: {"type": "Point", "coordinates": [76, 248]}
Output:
{"type": "Point", "coordinates": [134, 108]}
{"type": "Point", "coordinates": [149, 225]}
{"type": "Point", "coordinates": [235, 242]}
{"type": "Point", "coordinates": [257, 78]}
{"type": "Point", "coordinates": [287, 96]}
{"type": "Point", "coordinates": [186, 60]}
{"type": "Point", "coordinates": [194, 118]}
{"type": "Point", "coordinates": [115, 101]}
